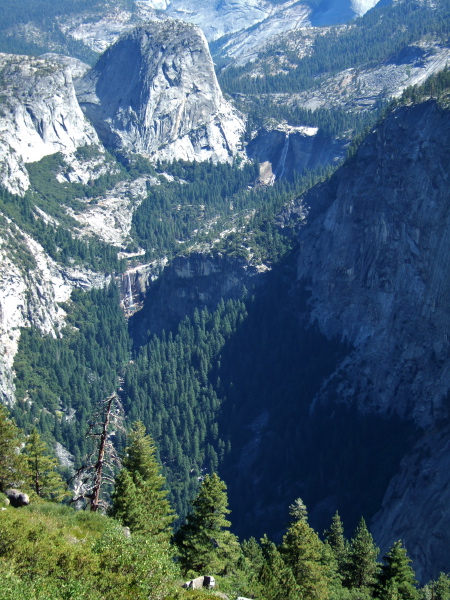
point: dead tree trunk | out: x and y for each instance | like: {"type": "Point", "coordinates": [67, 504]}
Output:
{"type": "Point", "coordinates": [91, 476]}
{"type": "Point", "coordinates": [101, 455]}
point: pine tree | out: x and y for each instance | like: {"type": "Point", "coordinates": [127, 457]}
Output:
{"type": "Point", "coordinates": [139, 498]}
{"type": "Point", "coordinates": [204, 542]}
{"type": "Point", "coordinates": [442, 587]}
{"type": "Point", "coordinates": [298, 510]}
{"type": "Point", "coordinates": [45, 481]}
{"type": "Point", "coordinates": [13, 467]}
{"type": "Point", "coordinates": [397, 572]}
{"type": "Point", "coordinates": [302, 550]}
{"type": "Point", "coordinates": [338, 544]}
{"type": "Point", "coordinates": [276, 577]}
{"type": "Point", "coordinates": [362, 566]}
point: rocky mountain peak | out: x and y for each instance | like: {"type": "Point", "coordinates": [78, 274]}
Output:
{"type": "Point", "coordinates": [155, 92]}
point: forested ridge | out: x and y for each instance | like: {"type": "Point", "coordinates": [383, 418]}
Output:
{"type": "Point", "coordinates": [43, 14]}
{"type": "Point", "coordinates": [370, 40]}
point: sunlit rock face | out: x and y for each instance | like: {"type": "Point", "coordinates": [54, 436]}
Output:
{"type": "Point", "coordinates": [155, 92]}
{"type": "Point", "coordinates": [39, 115]}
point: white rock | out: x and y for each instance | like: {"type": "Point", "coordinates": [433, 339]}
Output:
{"type": "Point", "coordinates": [39, 116]}
{"type": "Point", "coordinates": [155, 92]}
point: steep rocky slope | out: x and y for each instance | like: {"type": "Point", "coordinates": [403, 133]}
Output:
{"type": "Point", "coordinates": [359, 89]}
{"type": "Point", "coordinates": [31, 287]}
{"type": "Point", "coordinates": [155, 92]}
{"type": "Point", "coordinates": [374, 256]}
{"type": "Point", "coordinates": [39, 115]}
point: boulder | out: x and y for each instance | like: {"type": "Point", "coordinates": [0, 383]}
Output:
{"type": "Point", "coordinates": [206, 581]}
{"type": "Point", "coordinates": [17, 498]}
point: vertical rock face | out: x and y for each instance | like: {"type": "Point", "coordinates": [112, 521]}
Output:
{"type": "Point", "coordinates": [155, 92]}
{"type": "Point", "coordinates": [376, 258]}
{"type": "Point", "coordinates": [190, 282]}
{"type": "Point", "coordinates": [39, 115]}
{"type": "Point", "coordinates": [378, 262]}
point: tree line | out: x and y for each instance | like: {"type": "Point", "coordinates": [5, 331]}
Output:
{"type": "Point", "coordinates": [49, 550]}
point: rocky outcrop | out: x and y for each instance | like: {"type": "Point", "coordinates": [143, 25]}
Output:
{"type": "Point", "coordinates": [39, 115]}
{"type": "Point", "coordinates": [361, 89]}
{"type": "Point", "coordinates": [110, 216]}
{"type": "Point", "coordinates": [186, 284]}
{"type": "Point", "coordinates": [415, 505]}
{"type": "Point", "coordinates": [375, 259]}
{"type": "Point", "coordinates": [340, 11]}
{"type": "Point", "coordinates": [155, 92]}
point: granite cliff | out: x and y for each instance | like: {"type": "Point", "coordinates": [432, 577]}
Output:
{"type": "Point", "coordinates": [39, 115]}
{"type": "Point", "coordinates": [374, 256]}
{"type": "Point", "coordinates": [155, 92]}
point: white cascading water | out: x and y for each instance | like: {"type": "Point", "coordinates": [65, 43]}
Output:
{"type": "Point", "coordinates": [279, 171]}
{"type": "Point", "coordinates": [130, 294]}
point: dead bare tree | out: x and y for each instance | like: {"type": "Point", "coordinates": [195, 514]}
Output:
{"type": "Point", "coordinates": [101, 462]}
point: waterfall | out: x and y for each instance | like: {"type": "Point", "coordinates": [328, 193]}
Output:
{"type": "Point", "coordinates": [130, 295]}
{"type": "Point", "coordinates": [279, 171]}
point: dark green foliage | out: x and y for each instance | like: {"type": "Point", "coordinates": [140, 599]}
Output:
{"type": "Point", "coordinates": [139, 500]}
{"type": "Point", "coordinates": [204, 543]}
{"type": "Point", "coordinates": [397, 578]}
{"type": "Point", "coordinates": [13, 466]}
{"type": "Point", "coordinates": [436, 86]}
{"type": "Point", "coordinates": [362, 567]}
{"type": "Point", "coordinates": [44, 479]}
{"type": "Point", "coordinates": [52, 193]}
{"type": "Point", "coordinates": [337, 542]}
{"type": "Point", "coordinates": [302, 551]}
{"type": "Point", "coordinates": [275, 577]}
{"type": "Point", "coordinates": [59, 381]}
{"type": "Point", "coordinates": [332, 122]}
{"type": "Point", "coordinates": [171, 388]}
{"type": "Point", "coordinates": [57, 241]}
{"type": "Point", "coordinates": [441, 588]}
{"type": "Point", "coordinates": [173, 210]}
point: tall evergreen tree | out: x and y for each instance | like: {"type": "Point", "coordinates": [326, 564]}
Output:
{"type": "Point", "coordinates": [442, 587]}
{"type": "Point", "coordinates": [298, 510]}
{"type": "Point", "coordinates": [302, 550]}
{"type": "Point", "coordinates": [139, 499]}
{"type": "Point", "coordinates": [45, 480]}
{"type": "Point", "coordinates": [396, 572]}
{"type": "Point", "coordinates": [275, 577]}
{"type": "Point", "coordinates": [362, 566]}
{"type": "Point", "coordinates": [338, 544]}
{"type": "Point", "coordinates": [204, 542]}
{"type": "Point", "coordinates": [13, 466]}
